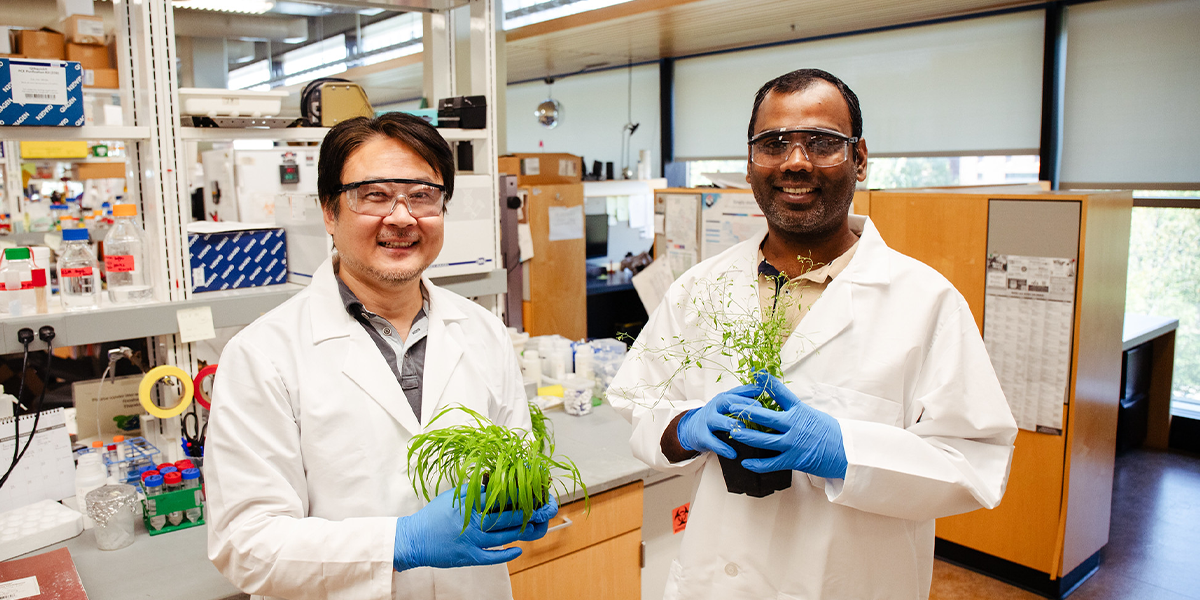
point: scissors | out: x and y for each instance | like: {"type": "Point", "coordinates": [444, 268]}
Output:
{"type": "Point", "coordinates": [193, 433]}
{"type": "Point", "coordinates": [193, 430]}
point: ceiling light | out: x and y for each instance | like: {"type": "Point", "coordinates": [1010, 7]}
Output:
{"type": "Point", "coordinates": [238, 6]}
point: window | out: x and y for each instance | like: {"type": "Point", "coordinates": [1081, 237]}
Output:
{"type": "Point", "coordinates": [313, 61]}
{"type": "Point", "coordinates": [696, 170]}
{"type": "Point", "coordinates": [391, 38]}
{"type": "Point", "coordinates": [1163, 276]}
{"type": "Point", "coordinates": [907, 172]}
{"type": "Point", "coordinates": [251, 76]}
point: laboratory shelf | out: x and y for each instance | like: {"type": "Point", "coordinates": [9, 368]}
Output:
{"type": "Point", "coordinates": [230, 308]}
{"type": "Point", "coordinates": [87, 132]}
{"type": "Point", "coordinates": [300, 134]}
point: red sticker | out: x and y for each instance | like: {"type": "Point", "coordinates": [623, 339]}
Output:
{"type": "Point", "coordinates": [121, 263]}
{"type": "Point", "coordinates": [679, 518]}
{"type": "Point", "coordinates": [77, 272]}
{"type": "Point", "coordinates": [25, 285]}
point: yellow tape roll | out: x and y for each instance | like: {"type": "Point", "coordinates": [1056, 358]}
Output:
{"type": "Point", "coordinates": [148, 383]}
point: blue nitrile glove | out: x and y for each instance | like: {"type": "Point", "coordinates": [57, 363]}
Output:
{"type": "Point", "coordinates": [808, 440]}
{"type": "Point", "coordinates": [434, 536]}
{"type": "Point", "coordinates": [696, 428]}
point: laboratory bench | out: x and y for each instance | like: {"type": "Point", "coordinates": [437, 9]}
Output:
{"type": "Point", "coordinates": [605, 544]}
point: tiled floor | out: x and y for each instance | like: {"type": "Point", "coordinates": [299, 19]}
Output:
{"type": "Point", "coordinates": [1153, 551]}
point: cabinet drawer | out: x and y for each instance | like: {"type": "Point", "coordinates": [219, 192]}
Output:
{"type": "Point", "coordinates": [605, 571]}
{"type": "Point", "coordinates": [613, 513]}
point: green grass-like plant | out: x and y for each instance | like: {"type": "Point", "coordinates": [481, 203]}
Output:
{"type": "Point", "coordinates": [516, 468]}
{"type": "Point", "coordinates": [745, 336]}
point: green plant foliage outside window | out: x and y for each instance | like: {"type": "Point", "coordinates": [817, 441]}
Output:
{"type": "Point", "coordinates": [514, 468]}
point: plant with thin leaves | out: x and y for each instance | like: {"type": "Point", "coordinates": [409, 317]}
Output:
{"type": "Point", "coordinates": [513, 468]}
{"type": "Point", "coordinates": [740, 337]}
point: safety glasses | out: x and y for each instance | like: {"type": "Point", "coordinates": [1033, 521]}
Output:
{"type": "Point", "coordinates": [821, 147]}
{"type": "Point", "coordinates": [379, 197]}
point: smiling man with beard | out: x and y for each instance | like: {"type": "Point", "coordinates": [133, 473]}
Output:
{"type": "Point", "coordinates": [315, 402]}
{"type": "Point", "coordinates": [891, 413]}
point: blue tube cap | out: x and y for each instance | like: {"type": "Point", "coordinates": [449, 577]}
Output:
{"type": "Point", "coordinates": [167, 469]}
{"type": "Point", "coordinates": [153, 481]}
{"type": "Point", "coordinates": [192, 473]}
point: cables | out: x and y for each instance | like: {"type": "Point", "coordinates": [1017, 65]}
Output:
{"type": "Point", "coordinates": [46, 334]}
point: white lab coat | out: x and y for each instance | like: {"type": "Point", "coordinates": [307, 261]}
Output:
{"type": "Point", "coordinates": [891, 350]}
{"type": "Point", "coordinates": [306, 459]}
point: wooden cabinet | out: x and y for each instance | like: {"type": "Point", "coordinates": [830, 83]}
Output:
{"type": "Point", "coordinates": [584, 556]}
{"type": "Point", "coordinates": [557, 278]}
{"type": "Point", "coordinates": [1054, 518]}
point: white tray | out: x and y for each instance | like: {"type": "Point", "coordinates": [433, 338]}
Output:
{"type": "Point", "coordinates": [216, 102]}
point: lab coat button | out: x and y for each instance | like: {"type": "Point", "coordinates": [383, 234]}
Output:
{"type": "Point", "coordinates": [731, 570]}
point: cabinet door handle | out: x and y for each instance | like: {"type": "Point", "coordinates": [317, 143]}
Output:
{"type": "Point", "coordinates": [565, 524]}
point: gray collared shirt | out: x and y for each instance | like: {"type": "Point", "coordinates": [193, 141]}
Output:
{"type": "Point", "coordinates": [409, 371]}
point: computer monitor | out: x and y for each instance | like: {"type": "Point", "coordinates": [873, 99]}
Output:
{"type": "Point", "coordinates": [596, 236]}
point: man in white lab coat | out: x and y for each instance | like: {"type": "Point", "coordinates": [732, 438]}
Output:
{"type": "Point", "coordinates": [892, 415]}
{"type": "Point", "coordinates": [314, 405]}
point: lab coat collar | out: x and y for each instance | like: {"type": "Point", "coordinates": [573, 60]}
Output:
{"type": "Point", "coordinates": [364, 363]}
{"type": "Point", "coordinates": [834, 311]}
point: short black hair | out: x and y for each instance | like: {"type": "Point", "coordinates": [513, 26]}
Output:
{"type": "Point", "coordinates": [347, 136]}
{"type": "Point", "coordinates": [800, 80]}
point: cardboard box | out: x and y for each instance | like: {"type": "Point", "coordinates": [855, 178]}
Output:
{"type": "Point", "coordinates": [225, 260]}
{"type": "Point", "coordinates": [83, 29]}
{"type": "Point", "coordinates": [101, 78]}
{"type": "Point", "coordinates": [91, 57]}
{"type": "Point", "coordinates": [99, 170]}
{"type": "Point", "coordinates": [40, 43]}
{"type": "Point", "coordinates": [41, 92]}
{"type": "Point", "coordinates": [543, 168]}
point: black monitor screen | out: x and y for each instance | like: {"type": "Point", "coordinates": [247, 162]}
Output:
{"type": "Point", "coordinates": [597, 236]}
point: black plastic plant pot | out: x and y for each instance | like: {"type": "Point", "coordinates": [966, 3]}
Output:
{"type": "Point", "coordinates": [740, 480]}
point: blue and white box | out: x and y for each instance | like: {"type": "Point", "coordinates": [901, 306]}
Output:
{"type": "Point", "coordinates": [39, 92]}
{"type": "Point", "coordinates": [230, 259]}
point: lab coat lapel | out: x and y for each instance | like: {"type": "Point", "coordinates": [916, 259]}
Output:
{"type": "Point", "coordinates": [830, 315]}
{"type": "Point", "coordinates": [367, 368]}
{"type": "Point", "coordinates": [443, 351]}
{"type": "Point", "coordinates": [363, 363]}
{"type": "Point", "coordinates": [834, 310]}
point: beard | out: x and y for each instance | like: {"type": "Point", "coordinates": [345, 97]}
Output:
{"type": "Point", "coordinates": [392, 276]}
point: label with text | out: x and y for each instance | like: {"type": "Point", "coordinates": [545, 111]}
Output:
{"type": "Point", "coordinates": [120, 263]}
{"type": "Point", "coordinates": [76, 272]}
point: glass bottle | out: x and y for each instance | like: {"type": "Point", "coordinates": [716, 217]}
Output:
{"type": "Point", "coordinates": [125, 258]}
{"type": "Point", "coordinates": [17, 277]}
{"type": "Point", "coordinates": [77, 272]}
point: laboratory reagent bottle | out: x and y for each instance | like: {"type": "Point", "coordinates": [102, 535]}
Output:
{"type": "Point", "coordinates": [77, 272]}
{"type": "Point", "coordinates": [89, 475]}
{"type": "Point", "coordinates": [17, 277]}
{"type": "Point", "coordinates": [125, 258]}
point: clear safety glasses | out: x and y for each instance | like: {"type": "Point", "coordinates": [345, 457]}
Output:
{"type": "Point", "coordinates": [821, 147]}
{"type": "Point", "coordinates": [378, 197]}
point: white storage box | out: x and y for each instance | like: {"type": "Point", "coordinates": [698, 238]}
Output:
{"type": "Point", "coordinates": [215, 102]}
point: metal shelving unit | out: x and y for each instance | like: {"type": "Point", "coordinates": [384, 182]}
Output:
{"type": "Point", "coordinates": [459, 60]}
{"type": "Point", "coordinates": [87, 132]}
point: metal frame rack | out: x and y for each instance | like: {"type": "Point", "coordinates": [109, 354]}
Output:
{"type": "Point", "coordinates": [459, 60]}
